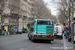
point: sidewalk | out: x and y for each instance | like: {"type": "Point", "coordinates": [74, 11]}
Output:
{"type": "Point", "coordinates": [9, 35]}
{"type": "Point", "coordinates": [69, 45]}
{"type": "Point", "coordinates": [6, 36]}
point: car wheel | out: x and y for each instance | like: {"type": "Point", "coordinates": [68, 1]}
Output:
{"type": "Point", "coordinates": [32, 39]}
{"type": "Point", "coordinates": [61, 37]}
{"type": "Point", "coordinates": [20, 33]}
{"type": "Point", "coordinates": [29, 38]}
{"type": "Point", "coordinates": [50, 41]}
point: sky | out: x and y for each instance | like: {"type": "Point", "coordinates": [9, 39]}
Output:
{"type": "Point", "coordinates": [52, 6]}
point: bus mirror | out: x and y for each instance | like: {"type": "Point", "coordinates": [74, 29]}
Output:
{"type": "Point", "coordinates": [28, 25]}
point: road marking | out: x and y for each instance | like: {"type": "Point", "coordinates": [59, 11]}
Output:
{"type": "Point", "coordinates": [28, 47]}
{"type": "Point", "coordinates": [22, 49]}
{"type": "Point", "coordinates": [64, 43]}
{"type": "Point", "coordinates": [43, 48]}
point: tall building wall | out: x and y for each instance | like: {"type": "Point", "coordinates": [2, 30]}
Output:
{"type": "Point", "coordinates": [17, 7]}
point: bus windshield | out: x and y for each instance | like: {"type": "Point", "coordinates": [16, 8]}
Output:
{"type": "Point", "coordinates": [39, 22]}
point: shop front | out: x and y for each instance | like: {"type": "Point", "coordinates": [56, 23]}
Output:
{"type": "Point", "coordinates": [9, 28]}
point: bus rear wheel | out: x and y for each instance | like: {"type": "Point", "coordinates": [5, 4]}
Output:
{"type": "Point", "coordinates": [50, 41]}
{"type": "Point", "coordinates": [32, 39]}
{"type": "Point", "coordinates": [29, 38]}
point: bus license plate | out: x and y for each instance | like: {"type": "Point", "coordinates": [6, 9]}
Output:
{"type": "Point", "coordinates": [54, 36]}
{"type": "Point", "coordinates": [44, 36]}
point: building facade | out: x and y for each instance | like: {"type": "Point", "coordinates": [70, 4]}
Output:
{"type": "Point", "coordinates": [16, 14]}
{"type": "Point", "coordinates": [1, 10]}
{"type": "Point", "coordinates": [25, 12]}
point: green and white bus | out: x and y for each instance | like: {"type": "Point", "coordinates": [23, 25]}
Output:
{"type": "Point", "coordinates": [41, 29]}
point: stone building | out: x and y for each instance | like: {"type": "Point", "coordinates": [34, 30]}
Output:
{"type": "Point", "coordinates": [1, 10]}
{"type": "Point", "coordinates": [16, 14]}
{"type": "Point", "coordinates": [25, 12]}
{"type": "Point", "coordinates": [10, 15]}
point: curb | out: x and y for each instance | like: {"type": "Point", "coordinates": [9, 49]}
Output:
{"type": "Point", "coordinates": [10, 35]}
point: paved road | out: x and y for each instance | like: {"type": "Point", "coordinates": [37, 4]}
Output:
{"type": "Point", "coordinates": [21, 42]}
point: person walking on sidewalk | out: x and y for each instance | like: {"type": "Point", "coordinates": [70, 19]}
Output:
{"type": "Point", "coordinates": [67, 30]}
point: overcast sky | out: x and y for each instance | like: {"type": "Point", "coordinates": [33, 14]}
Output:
{"type": "Point", "coordinates": [53, 6]}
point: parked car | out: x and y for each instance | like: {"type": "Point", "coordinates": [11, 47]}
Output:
{"type": "Point", "coordinates": [19, 32]}
{"type": "Point", "coordinates": [25, 30]}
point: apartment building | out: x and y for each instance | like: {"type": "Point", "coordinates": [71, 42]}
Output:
{"type": "Point", "coordinates": [1, 10]}
{"type": "Point", "coordinates": [15, 14]}
{"type": "Point", "coordinates": [25, 12]}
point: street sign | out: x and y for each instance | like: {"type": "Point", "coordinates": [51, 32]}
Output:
{"type": "Point", "coordinates": [66, 24]}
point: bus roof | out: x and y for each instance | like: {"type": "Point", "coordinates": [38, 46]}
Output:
{"type": "Point", "coordinates": [39, 19]}
{"type": "Point", "coordinates": [44, 19]}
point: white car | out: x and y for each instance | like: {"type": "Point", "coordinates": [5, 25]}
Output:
{"type": "Point", "coordinates": [58, 31]}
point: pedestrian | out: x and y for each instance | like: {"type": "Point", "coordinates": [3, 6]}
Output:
{"type": "Point", "coordinates": [4, 32]}
{"type": "Point", "coordinates": [67, 32]}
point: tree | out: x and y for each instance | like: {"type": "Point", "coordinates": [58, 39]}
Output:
{"type": "Point", "coordinates": [54, 18]}
{"type": "Point", "coordinates": [63, 7]}
{"type": "Point", "coordinates": [61, 18]}
{"type": "Point", "coordinates": [40, 10]}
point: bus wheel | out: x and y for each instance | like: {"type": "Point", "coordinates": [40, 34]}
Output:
{"type": "Point", "coordinates": [32, 39]}
{"type": "Point", "coordinates": [29, 38]}
{"type": "Point", "coordinates": [50, 41]}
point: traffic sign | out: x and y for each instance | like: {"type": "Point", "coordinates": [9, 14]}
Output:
{"type": "Point", "coordinates": [66, 24]}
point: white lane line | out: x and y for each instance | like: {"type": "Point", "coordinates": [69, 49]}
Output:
{"type": "Point", "coordinates": [22, 49]}
{"type": "Point", "coordinates": [65, 46]}
{"type": "Point", "coordinates": [11, 41]}
{"type": "Point", "coordinates": [28, 47]}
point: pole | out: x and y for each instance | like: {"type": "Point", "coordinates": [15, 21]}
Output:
{"type": "Point", "coordinates": [0, 24]}
{"type": "Point", "coordinates": [72, 30]}
{"type": "Point", "coordinates": [69, 16]}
